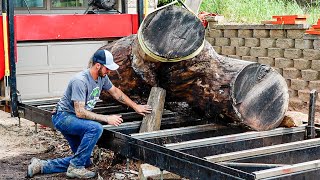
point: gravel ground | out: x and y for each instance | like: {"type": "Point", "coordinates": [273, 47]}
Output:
{"type": "Point", "coordinates": [19, 144]}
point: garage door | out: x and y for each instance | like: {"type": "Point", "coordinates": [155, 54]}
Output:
{"type": "Point", "coordinates": [44, 69]}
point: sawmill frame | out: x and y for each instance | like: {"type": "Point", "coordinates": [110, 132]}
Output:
{"type": "Point", "coordinates": [198, 149]}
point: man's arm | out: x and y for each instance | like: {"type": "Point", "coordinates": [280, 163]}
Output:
{"type": "Point", "coordinates": [81, 112]}
{"type": "Point", "coordinates": [121, 97]}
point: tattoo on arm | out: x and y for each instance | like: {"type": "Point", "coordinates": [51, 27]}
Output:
{"type": "Point", "coordinates": [81, 112]}
{"type": "Point", "coordinates": [121, 99]}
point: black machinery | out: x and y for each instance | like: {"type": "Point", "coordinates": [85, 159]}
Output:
{"type": "Point", "coordinates": [102, 7]}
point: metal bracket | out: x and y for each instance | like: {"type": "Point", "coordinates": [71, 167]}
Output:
{"type": "Point", "coordinates": [311, 131]}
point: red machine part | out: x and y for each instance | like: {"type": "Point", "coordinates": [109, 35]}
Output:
{"type": "Point", "coordinates": [68, 27]}
{"type": "Point", "coordinates": [60, 27]}
{"type": "Point", "coordinates": [202, 16]}
{"type": "Point", "coordinates": [2, 53]}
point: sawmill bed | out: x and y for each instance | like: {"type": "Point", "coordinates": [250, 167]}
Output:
{"type": "Point", "coordinates": [199, 149]}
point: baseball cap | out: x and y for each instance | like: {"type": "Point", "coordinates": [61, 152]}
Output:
{"type": "Point", "coordinates": [105, 57]}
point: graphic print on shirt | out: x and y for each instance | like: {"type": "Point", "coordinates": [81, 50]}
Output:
{"type": "Point", "coordinates": [93, 98]}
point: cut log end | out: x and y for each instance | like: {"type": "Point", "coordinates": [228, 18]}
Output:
{"type": "Point", "coordinates": [260, 97]}
{"type": "Point", "coordinates": [172, 33]}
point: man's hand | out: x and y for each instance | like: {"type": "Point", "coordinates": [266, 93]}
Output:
{"type": "Point", "coordinates": [121, 97]}
{"type": "Point", "coordinates": [143, 109]}
{"type": "Point", "coordinates": [115, 120]}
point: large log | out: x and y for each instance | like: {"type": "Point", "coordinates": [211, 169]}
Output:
{"type": "Point", "coordinates": [251, 93]}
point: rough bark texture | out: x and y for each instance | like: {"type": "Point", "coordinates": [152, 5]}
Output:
{"type": "Point", "coordinates": [213, 85]}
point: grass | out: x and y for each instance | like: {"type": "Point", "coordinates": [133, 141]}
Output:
{"type": "Point", "coordinates": [255, 11]}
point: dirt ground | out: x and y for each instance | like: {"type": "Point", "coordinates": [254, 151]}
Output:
{"type": "Point", "coordinates": [19, 144]}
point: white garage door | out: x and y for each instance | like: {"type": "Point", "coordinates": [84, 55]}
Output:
{"type": "Point", "coordinates": [44, 69]}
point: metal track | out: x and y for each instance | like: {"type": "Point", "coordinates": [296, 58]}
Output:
{"type": "Point", "coordinates": [198, 149]}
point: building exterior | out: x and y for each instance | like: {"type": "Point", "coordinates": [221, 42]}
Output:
{"type": "Point", "coordinates": [55, 40]}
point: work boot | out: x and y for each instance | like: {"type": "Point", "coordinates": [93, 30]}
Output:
{"type": "Point", "coordinates": [73, 172]}
{"type": "Point", "coordinates": [35, 167]}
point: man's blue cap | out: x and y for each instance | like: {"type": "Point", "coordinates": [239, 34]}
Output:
{"type": "Point", "coordinates": [105, 58]}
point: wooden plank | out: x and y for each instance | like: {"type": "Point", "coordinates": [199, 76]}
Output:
{"type": "Point", "coordinates": [267, 22]}
{"type": "Point", "coordinates": [313, 32]}
{"type": "Point", "coordinates": [152, 121]}
{"type": "Point", "coordinates": [290, 19]}
{"type": "Point", "coordinates": [289, 16]}
{"type": "Point", "coordinates": [290, 22]}
{"type": "Point", "coordinates": [194, 5]}
{"type": "Point", "coordinates": [317, 26]}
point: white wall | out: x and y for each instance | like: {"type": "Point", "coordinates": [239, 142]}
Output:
{"type": "Point", "coordinates": [44, 69]}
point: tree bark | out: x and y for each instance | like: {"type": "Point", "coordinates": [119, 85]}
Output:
{"type": "Point", "coordinates": [215, 86]}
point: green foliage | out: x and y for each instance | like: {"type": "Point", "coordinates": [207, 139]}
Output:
{"type": "Point", "coordinates": [255, 11]}
{"type": "Point", "coordinates": [164, 2]}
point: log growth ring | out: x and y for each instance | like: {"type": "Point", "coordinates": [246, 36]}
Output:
{"type": "Point", "coordinates": [171, 34]}
{"type": "Point", "coordinates": [260, 97]}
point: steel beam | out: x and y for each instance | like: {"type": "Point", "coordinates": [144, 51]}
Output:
{"type": "Point", "coordinates": [177, 131]}
{"type": "Point", "coordinates": [297, 151]}
{"type": "Point", "coordinates": [36, 115]}
{"type": "Point", "coordinates": [311, 133]}
{"type": "Point", "coordinates": [110, 109]}
{"type": "Point", "coordinates": [177, 135]}
{"type": "Point", "coordinates": [251, 167]}
{"type": "Point", "coordinates": [305, 170]}
{"type": "Point", "coordinates": [39, 102]}
{"type": "Point", "coordinates": [135, 116]}
{"type": "Point", "coordinates": [169, 122]}
{"type": "Point", "coordinates": [238, 142]}
{"type": "Point", "coordinates": [180, 163]}
{"type": "Point", "coordinates": [12, 59]}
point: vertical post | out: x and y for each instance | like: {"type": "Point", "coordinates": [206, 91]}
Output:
{"type": "Point", "coordinates": [140, 11]}
{"type": "Point", "coordinates": [155, 4]}
{"type": "Point", "coordinates": [3, 84]}
{"type": "Point", "coordinates": [161, 174]}
{"type": "Point", "coordinates": [3, 6]}
{"type": "Point", "coordinates": [128, 165]}
{"type": "Point", "coordinates": [146, 6]}
{"type": "Point", "coordinates": [99, 155]}
{"type": "Point", "coordinates": [312, 104]}
{"type": "Point", "coordinates": [13, 80]}
{"type": "Point", "coordinates": [36, 128]}
{"type": "Point", "coordinates": [5, 48]}
{"type": "Point", "coordinates": [124, 6]}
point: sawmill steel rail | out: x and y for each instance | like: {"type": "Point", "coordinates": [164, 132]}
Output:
{"type": "Point", "coordinates": [187, 146]}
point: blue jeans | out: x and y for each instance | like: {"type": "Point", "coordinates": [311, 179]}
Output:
{"type": "Point", "coordinates": [82, 135]}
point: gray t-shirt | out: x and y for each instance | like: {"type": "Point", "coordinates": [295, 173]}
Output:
{"type": "Point", "coordinates": [82, 87]}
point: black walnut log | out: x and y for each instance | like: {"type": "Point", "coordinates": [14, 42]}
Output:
{"type": "Point", "coordinates": [215, 86]}
{"type": "Point", "coordinates": [171, 33]}
{"type": "Point", "coordinates": [151, 122]}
